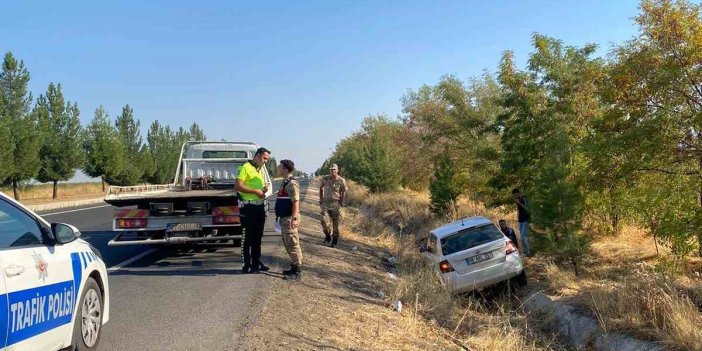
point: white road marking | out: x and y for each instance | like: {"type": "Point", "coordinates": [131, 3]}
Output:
{"type": "Point", "coordinates": [80, 209]}
{"type": "Point", "coordinates": [128, 261]}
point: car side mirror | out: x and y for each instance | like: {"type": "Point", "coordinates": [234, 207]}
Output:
{"type": "Point", "coordinates": [64, 233]}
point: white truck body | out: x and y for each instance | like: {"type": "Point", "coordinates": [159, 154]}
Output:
{"type": "Point", "coordinates": [200, 205]}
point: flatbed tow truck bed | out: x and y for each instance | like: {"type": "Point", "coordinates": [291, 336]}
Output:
{"type": "Point", "coordinates": [123, 196]}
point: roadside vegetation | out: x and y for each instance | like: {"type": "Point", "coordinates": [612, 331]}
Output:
{"type": "Point", "coordinates": [607, 149]}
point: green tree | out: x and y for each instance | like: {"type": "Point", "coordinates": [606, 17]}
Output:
{"type": "Point", "coordinates": [196, 133]}
{"type": "Point", "coordinates": [7, 161]}
{"type": "Point", "coordinates": [130, 137]}
{"type": "Point", "coordinates": [444, 189]}
{"type": "Point", "coordinates": [558, 204]}
{"type": "Point", "coordinates": [656, 98]}
{"type": "Point", "coordinates": [369, 155]}
{"type": "Point", "coordinates": [548, 110]}
{"type": "Point", "coordinates": [159, 139]}
{"type": "Point", "coordinates": [61, 152]}
{"type": "Point", "coordinates": [146, 164]}
{"type": "Point", "coordinates": [104, 151]}
{"type": "Point", "coordinates": [164, 148]}
{"type": "Point", "coordinates": [456, 117]}
{"type": "Point", "coordinates": [24, 141]}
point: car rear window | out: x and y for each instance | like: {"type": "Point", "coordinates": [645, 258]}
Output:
{"type": "Point", "coordinates": [468, 238]}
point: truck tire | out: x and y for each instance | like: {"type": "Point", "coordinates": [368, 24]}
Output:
{"type": "Point", "coordinates": [521, 279]}
{"type": "Point", "coordinates": [86, 336]}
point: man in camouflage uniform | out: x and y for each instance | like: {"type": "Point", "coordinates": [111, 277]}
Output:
{"type": "Point", "coordinates": [332, 192]}
{"type": "Point", "coordinates": [287, 212]}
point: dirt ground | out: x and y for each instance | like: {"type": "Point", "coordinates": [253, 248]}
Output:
{"type": "Point", "coordinates": [340, 304]}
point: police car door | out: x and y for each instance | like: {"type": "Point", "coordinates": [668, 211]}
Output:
{"type": "Point", "coordinates": [3, 310]}
{"type": "Point", "coordinates": [39, 283]}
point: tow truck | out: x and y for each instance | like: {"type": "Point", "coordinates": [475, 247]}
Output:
{"type": "Point", "coordinates": [201, 205]}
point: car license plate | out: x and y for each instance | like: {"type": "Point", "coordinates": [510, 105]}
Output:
{"type": "Point", "coordinates": [184, 227]}
{"type": "Point", "coordinates": [479, 258]}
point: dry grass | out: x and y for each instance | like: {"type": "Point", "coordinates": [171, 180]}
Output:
{"type": "Point", "coordinates": [400, 219]}
{"type": "Point", "coordinates": [628, 287]}
{"type": "Point", "coordinates": [42, 193]}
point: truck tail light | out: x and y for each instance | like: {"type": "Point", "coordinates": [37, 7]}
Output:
{"type": "Point", "coordinates": [445, 267]}
{"type": "Point", "coordinates": [131, 223]}
{"type": "Point", "coordinates": [225, 215]}
{"type": "Point", "coordinates": [226, 219]}
{"type": "Point", "coordinates": [510, 247]}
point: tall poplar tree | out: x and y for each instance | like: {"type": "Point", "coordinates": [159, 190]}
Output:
{"type": "Point", "coordinates": [62, 151]}
{"type": "Point", "coordinates": [104, 151]}
{"type": "Point", "coordinates": [25, 137]}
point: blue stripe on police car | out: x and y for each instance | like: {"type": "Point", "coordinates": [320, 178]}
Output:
{"type": "Point", "coordinates": [34, 311]}
{"type": "Point", "coordinates": [37, 310]}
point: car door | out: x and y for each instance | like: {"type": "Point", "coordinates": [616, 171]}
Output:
{"type": "Point", "coordinates": [39, 281]}
{"type": "Point", "coordinates": [3, 310]}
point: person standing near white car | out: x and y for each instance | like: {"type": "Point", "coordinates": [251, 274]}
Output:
{"type": "Point", "coordinates": [523, 218]}
{"type": "Point", "coordinates": [53, 288]}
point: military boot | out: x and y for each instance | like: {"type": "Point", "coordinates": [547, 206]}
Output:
{"type": "Point", "coordinates": [296, 275]}
{"type": "Point", "coordinates": [290, 271]}
{"type": "Point", "coordinates": [334, 241]}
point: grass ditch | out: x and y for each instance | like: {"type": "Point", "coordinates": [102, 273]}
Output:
{"type": "Point", "coordinates": [629, 288]}
{"type": "Point", "coordinates": [397, 221]}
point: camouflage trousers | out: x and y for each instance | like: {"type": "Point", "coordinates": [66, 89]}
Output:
{"type": "Point", "coordinates": [291, 240]}
{"type": "Point", "coordinates": [331, 214]}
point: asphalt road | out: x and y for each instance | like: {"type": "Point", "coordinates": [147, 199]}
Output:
{"type": "Point", "coordinates": [174, 299]}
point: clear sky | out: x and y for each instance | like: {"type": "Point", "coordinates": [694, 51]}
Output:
{"type": "Point", "coordinates": [295, 76]}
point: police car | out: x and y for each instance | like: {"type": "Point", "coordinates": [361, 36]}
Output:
{"type": "Point", "coordinates": [53, 286]}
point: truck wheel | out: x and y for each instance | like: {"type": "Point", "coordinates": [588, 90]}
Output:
{"type": "Point", "coordinates": [88, 319]}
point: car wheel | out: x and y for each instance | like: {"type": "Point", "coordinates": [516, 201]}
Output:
{"type": "Point", "coordinates": [521, 279]}
{"type": "Point", "coordinates": [88, 321]}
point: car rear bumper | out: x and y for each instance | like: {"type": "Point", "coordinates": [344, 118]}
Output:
{"type": "Point", "coordinates": [466, 282]}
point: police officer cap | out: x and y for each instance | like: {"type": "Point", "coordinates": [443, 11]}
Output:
{"type": "Point", "coordinates": [334, 166]}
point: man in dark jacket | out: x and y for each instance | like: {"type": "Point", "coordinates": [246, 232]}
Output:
{"type": "Point", "coordinates": [509, 232]}
{"type": "Point", "coordinates": [523, 217]}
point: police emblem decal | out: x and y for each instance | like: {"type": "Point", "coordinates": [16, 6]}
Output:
{"type": "Point", "coordinates": [42, 266]}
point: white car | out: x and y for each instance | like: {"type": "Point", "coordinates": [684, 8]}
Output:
{"type": "Point", "coordinates": [472, 253]}
{"type": "Point", "coordinates": [53, 287]}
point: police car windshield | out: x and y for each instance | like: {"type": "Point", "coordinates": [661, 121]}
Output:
{"type": "Point", "coordinates": [468, 238]}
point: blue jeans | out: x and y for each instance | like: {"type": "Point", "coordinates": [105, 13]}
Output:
{"type": "Point", "coordinates": [523, 232]}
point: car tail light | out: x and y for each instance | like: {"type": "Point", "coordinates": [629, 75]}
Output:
{"type": "Point", "coordinates": [445, 267]}
{"type": "Point", "coordinates": [226, 219]}
{"type": "Point", "coordinates": [510, 247]}
{"type": "Point", "coordinates": [130, 223]}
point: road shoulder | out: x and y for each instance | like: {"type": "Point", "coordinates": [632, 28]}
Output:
{"type": "Point", "coordinates": [339, 304]}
